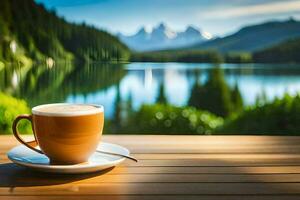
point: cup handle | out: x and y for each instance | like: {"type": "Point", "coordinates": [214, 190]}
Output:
{"type": "Point", "coordinates": [31, 144]}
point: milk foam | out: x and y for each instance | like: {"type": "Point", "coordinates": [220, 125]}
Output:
{"type": "Point", "coordinates": [66, 109]}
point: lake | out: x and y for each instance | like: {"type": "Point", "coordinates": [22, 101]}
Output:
{"type": "Point", "coordinates": [99, 83]}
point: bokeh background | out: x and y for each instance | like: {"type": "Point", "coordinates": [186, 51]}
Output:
{"type": "Point", "coordinates": [158, 67]}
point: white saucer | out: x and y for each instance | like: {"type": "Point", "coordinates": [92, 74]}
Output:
{"type": "Point", "coordinates": [26, 157]}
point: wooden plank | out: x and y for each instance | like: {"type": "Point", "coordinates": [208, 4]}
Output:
{"type": "Point", "coordinates": [198, 144]}
{"type": "Point", "coordinates": [228, 157]}
{"type": "Point", "coordinates": [216, 156]}
{"type": "Point", "coordinates": [177, 156]}
{"type": "Point", "coordinates": [209, 163]}
{"type": "Point", "coordinates": [213, 149]}
{"type": "Point", "coordinates": [212, 162]}
{"type": "Point", "coordinates": [212, 139]}
{"type": "Point", "coordinates": [207, 170]}
{"type": "Point", "coordinates": [159, 197]}
{"type": "Point", "coordinates": [150, 140]}
{"type": "Point", "coordinates": [159, 189]}
{"type": "Point", "coordinates": [201, 141]}
{"type": "Point", "coordinates": [145, 150]}
{"type": "Point", "coordinates": [9, 169]}
{"type": "Point", "coordinates": [39, 180]}
{"type": "Point", "coordinates": [17, 176]}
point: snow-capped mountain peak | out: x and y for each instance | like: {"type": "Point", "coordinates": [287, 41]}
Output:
{"type": "Point", "coordinates": [142, 31]}
{"type": "Point", "coordinates": [207, 35]}
{"type": "Point", "coordinates": [163, 37]}
{"type": "Point", "coordinates": [163, 30]}
{"type": "Point", "coordinates": [191, 29]}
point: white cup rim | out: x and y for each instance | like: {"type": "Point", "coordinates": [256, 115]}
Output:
{"type": "Point", "coordinates": [36, 110]}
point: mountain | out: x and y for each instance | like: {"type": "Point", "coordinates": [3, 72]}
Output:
{"type": "Point", "coordinates": [284, 52]}
{"type": "Point", "coordinates": [29, 31]}
{"type": "Point", "coordinates": [253, 38]}
{"type": "Point", "coordinates": [163, 37]}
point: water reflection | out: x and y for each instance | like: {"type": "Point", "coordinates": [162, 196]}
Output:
{"type": "Point", "coordinates": [148, 78]}
{"type": "Point", "coordinates": [97, 83]}
{"type": "Point", "coordinates": [41, 84]}
{"type": "Point", "coordinates": [15, 80]}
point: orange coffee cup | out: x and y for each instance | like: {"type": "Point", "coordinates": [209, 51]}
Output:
{"type": "Point", "coordinates": [66, 133]}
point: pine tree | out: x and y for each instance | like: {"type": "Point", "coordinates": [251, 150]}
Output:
{"type": "Point", "coordinates": [236, 99]}
{"type": "Point", "coordinates": [195, 90]}
{"type": "Point", "coordinates": [195, 96]}
{"type": "Point", "coordinates": [117, 118]}
{"type": "Point", "coordinates": [214, 95]}
{"type": "Point", "coordinates": [129, 106]}
{"type": "Point", "coordinates": [161, 95]}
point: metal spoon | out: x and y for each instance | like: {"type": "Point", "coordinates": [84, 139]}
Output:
{"type": "Point", "coordinates": [34, 144]}
{"type": "Point", "coordinates": [117, 154]}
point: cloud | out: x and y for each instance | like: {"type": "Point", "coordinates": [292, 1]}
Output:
{"type": "Point", "coordinates": [252, 10]}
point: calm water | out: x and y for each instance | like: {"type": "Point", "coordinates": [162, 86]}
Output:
{"type": "Point", "coordinates": [99, 83]}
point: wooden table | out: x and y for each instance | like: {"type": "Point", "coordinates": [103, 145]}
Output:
{"type": "Point", "coordinates": [171, 167]}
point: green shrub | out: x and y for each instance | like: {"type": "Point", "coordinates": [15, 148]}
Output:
{"type": "Point", "coordinates": [167, 119]}
{"type": "Point", "coordinates": [10, 108]}
{"type": "Point", "coordinates": [281, 116]}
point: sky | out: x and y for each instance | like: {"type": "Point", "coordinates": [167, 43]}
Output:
{"type": "Point", "coordinates": [218, 17]}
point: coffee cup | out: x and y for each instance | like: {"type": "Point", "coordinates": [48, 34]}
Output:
{"type": "Point", "coordinates": [66, 133]}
